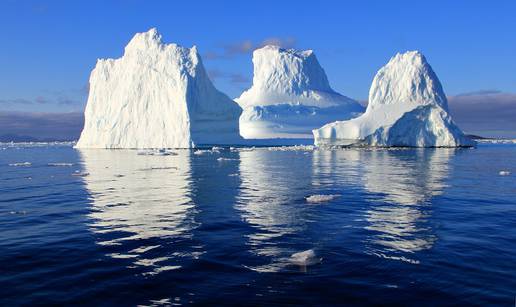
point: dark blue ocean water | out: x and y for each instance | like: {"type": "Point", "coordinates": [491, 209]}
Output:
{"type": "Point", "coordinates": [425, 226]}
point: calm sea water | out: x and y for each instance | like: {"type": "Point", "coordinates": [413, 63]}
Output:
{"type": "Point", "coordinates": [432, 226]}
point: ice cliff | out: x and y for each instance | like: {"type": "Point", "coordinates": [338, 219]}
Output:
{"type": "Point", "coordinates": [290, 96]}
{"type": "Point", "coordinates": [156, 96]}
{"type": "Point", "coordinates": [407, 107]}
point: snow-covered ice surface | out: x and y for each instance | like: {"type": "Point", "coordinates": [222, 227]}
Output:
{"type": "Point", "coordinates": [407, 107]}
{"type": "Point", "coordinates": [290, 96]}
{"type": "Point", "coordinates": [156, 96]}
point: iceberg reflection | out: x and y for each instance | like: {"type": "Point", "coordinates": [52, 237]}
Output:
{"type": "Point", "coordinates": [268, 188]}
{"type": "Point", "coordinates": [402, 184]}
{"type": "Point", "coordinates": [337, 168]}
{"type": "Point", "coordinates": [139, 200]}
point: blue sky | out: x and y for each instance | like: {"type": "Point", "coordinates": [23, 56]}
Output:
{"type": "Point", "coordinates": [49, 47]}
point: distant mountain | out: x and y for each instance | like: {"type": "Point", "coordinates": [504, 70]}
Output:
{"type": "Point", "coordinates": [6, 138]}
{"type": "Point", "coordinates": [40, 127]}
{"type": "Point", "coordinates": [477, 137]}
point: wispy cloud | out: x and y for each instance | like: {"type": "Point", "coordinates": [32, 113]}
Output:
{"type": "Point", "coordinates": [288, 42]}
{"type": "Point", "coordinates": [239, 48]}
{"type": "Point", "coordinates": [234, 78]}
{"type": "Point", "coordinates": [238, 79]}
{"type": "Point", "coordinates": [487, 112]}
{"type": "Point", "coordinates": [227, 51]}
{"type": "Point", "coordinates": [479, 93]}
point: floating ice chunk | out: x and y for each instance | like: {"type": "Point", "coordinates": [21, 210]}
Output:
{"type": "Point", "coordinates": [20, 164]}
{"type": "Point", "coordinates": [319, 198]}
{"type": "Point", "coordinates": [504, 173]}
{"type": "Point", "coordinates": [244, 149]}
{"type": "Point", "coordinates": [292, 148]}
{"type": "Point", "coordinates": [60, 164]}
{"type": "Point", "coordinates": [305, 258]}
{"type": "Point", "coordinates": [156, 152]}
{"type": "Point", "coordinates": [201, 152]}
{"type": "Point", "coordinates": [220, 159]}
{"type": "Point", "coordinates": [21, 145]}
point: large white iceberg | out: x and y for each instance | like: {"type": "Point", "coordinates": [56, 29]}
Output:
{"type": "Point", "coordinates": [290, 96]}
{"type": "Point", "coordinates": [407, 107]}
{"type": "Point", "coordinates": [156, 96]}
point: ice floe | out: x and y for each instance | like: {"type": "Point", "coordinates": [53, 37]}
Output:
{"type": "Point", "coordinates": [320, 198]}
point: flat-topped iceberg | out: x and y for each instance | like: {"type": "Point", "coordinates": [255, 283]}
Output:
{"type": "Point", "coordinates": [407, 107]}
{"type": "Point", "coordinates": [156, 96]}
{"type": "Point", "coordinates": [290, 96]}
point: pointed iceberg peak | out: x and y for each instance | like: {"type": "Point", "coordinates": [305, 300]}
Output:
{"type": "Point", "coordinates": [407, 79]}
{"type": "Point", "coordinates": [144, 40]}
{"type": "Point", "coordinates": [407, 107]}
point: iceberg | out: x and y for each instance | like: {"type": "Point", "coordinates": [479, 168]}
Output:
{"type": "Point", "coordinates": [290, 96]}
{"type": "Point", "coordinates": [407, 107]}
{"type": "Point", "coordinates": [156, 96]}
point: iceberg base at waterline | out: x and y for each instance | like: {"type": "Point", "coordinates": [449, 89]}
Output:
{"type": "Point", "coordinates": [424, 126]}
